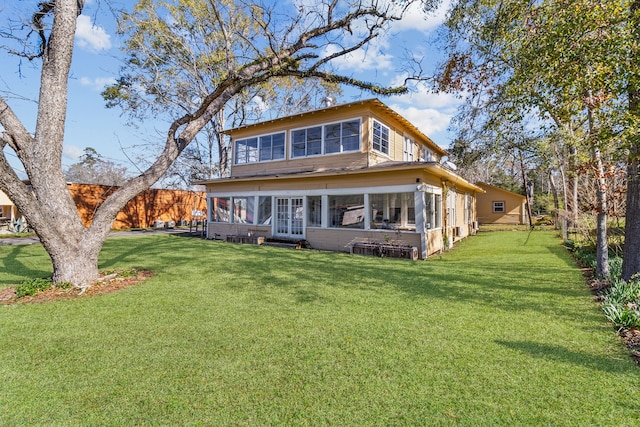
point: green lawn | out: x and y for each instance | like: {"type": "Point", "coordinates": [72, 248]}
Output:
{"type": "Point", "coordinates": [500, 331]}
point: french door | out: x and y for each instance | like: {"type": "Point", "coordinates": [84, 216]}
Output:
{"type": "Point", "coordinates": [289, 217]}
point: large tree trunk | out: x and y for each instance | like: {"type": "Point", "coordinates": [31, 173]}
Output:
{"type": "Point", "coordinates": [46, 202]}
{"type": "Point", "coordinates": [602, 247]}
{"type": "Point", "coordinates": [77, 264]}
{"type": "Point", "coordinates": [631, 252]}
{"type": "Point", "coordinates": [556, 199]}
{"type": "Point", "coordinates": [573, 179]}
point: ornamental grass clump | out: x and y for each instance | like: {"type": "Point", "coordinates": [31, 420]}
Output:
{"type": "Point", "coordinates": [621, 303]}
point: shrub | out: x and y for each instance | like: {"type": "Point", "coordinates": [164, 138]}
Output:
{"type": "Point", "coordinates": [621, 303]}
{"type": "Point", "coordinates": [622, 316]}
{"type": "Point", "coordinates": [64, 285]}
{"type": "Point", "coordinates": [31, 287]}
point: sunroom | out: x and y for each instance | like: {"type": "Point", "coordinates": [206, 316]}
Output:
{"type": "Point", "coordinates": [332, 211]}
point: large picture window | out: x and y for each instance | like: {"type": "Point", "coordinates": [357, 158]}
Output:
{"type": "Point", "coordinates": [243, 210]}
{"type": "Point", "coordinates": [259, 149]}
{"type": "Point", "coordinates": [380, 137]}
{"type": "Point", "coordinates": [220, 209]}
{"type": "Point", "coordinates": [393, 210]}
{"type": "Point", "coordinates": [346, 211]}
{"type": "Point", "coordinates": [264, 210]}
{"type": "Point", "coordinates": [327, 139]}
{"type": "Point", "coordinates": [314, 211]}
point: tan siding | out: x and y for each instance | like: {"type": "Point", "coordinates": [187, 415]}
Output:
{"type": "Point", "coordinates": [514, 210]}
{"type": "Point", "coordinates": [334, 239]}
{"type": "Point", "coordinates": [221, 230]}
{"type": "Point", "coordinates": [366, 112]}
{"type": "Point", "coordinates": [354, 160]}
{"type": "Point", "coordinates": [434, 241]}
{"type": "Point", "coordinates": [382, 178]}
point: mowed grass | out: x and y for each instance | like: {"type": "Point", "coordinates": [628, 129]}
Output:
{"type": "Point", "coordinates": [501, 330]}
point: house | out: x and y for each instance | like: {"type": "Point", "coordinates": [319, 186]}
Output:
{"type": "Point", "coordinates": [8, 210]}
{"type": "Point", "coordinates": [341, 176]}
{"type": "Point", "coordinates": [143, 211]}
{"type": "Point", "coordinates": [499, 206]}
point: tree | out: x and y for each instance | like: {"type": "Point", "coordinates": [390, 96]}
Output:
{"type": "Point", "coordinates": [235, 57]}
{"type": "Point", "coordinates": [564, 61]}
{"type": "Point", "coordinates": [208, 155]}
{"type": "Point", "coordinates": [631, 252]}
{"type": "Point", "coordinates": [93, 169]}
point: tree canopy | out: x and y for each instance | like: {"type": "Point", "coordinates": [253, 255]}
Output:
{"type": "Point", "coordinates": [233, 46]}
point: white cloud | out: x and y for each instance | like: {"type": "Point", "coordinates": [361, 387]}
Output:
{"type": "Point", "coordinates": [97, 83]}
{"type": "Point", "coordinates": [72, 152]}
{"type": "Point", "coordinates": [370, 58]}
{"type": "Point", "coordinates": [430, 112]}
{"type": "Point", "coordinates": [91, 36]}
{"type": "Point", "coordinates": [416, 19]}
{"type": "Point", "coordinates": [428, 120]}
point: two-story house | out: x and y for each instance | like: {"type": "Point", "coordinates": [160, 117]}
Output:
{"type": "Point", "coordinates": [347, 173]}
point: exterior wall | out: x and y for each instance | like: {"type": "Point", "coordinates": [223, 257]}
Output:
{"type": "Point", "coordinates": [143, 210]}
{"type": "Point", "coordinates": [364, 172]}
{"type": "Point", "coordinates": [8, 210]}
{"type": "Point", "coordinates": [514, 204]}
{"type": "Point", "coordinates": [332, 239]}
{"type": "Point", "coordinates": [366, 111]}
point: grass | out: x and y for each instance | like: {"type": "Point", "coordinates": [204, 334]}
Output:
{"type": "Point", "coordinates": [501, 330]}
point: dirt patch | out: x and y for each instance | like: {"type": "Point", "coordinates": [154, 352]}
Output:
{"type": "Point", "coordinates": [107, 284]}
{"type": "Point", "coordinates": [631, 338]}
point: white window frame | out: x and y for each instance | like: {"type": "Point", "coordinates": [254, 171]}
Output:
{"type": "Point", "coordinates": [408, 154]}
{"type": "Point", "coordinates": [381, 137]}
{"type": "Point", "coordinates": [426, 155]}
{"type": "Point", "coordinates": [256, 157]}
{"type": "Point", "coordinates": [495, 204]}
{"type": "Point", "coordinates": [323, 146]}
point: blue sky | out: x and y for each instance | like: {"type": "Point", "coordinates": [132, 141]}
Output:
{"type": "Point", "coordinates": [95, 64]}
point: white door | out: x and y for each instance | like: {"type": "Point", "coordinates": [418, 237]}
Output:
{"type": "Point", "coordinates": [289, 217]}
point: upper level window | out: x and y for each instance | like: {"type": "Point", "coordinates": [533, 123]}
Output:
{"type": "Point", "coordinates": [306, 142]}
{"type": "Point", "coordinates": [272, 147]}
{"type": "Point", "coordinates": [426, 155]}
{"type": "Point", "coordinates": [259, 149]}
{"type": "Point", "coordinates": [327, 139]}
{"type": "Point", "coordinates": [408, 155]}
{"type": "Point", "coordinates": [498, 207]}
{"type": "Point", "coordinates": [246, 151]}
{"type": "Point", "coordinates": [340, 137]}
{"type": "Point", "coordinates": [380, 137]}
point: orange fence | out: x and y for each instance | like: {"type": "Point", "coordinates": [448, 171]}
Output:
{"type": "Point", "coordinates": [144, 209]}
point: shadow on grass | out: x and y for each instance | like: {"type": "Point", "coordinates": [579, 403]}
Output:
{"type": "Point", "coordinates": [14, 265]}
{"type": "Point", "coordinates": [510, 286]}
{"type": "Point", "coordinates": [161, 250]}
{"type": "Point", "coordinates": [565, 355]}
